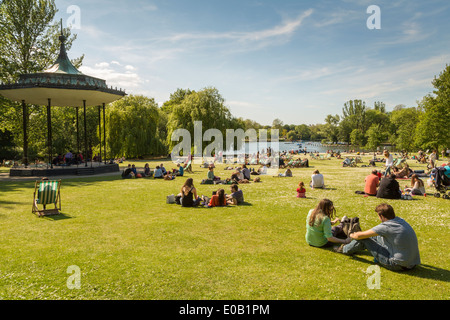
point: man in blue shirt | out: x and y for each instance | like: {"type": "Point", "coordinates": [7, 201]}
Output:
{"type": "Point", "coordinates": [393, 243]}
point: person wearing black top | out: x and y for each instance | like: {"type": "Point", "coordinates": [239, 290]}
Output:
{"type": "Point", "coordinates": [389, 188]}
{"type": "Point", "coordinates": [189, 197]}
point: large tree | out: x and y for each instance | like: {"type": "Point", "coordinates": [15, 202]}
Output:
{"type": "Point", "coordinates": [432, 130]}
{"type": "Point", "coordinates": [132, 126]}
{"type": "Point", "coordinates": [405, 122]}
{"type": "Point", "coordinates": [30, 37]}
{"type": "Point", "coordinates": [207, 106]}
{"type": "Point", "coordinates": [29, 43]}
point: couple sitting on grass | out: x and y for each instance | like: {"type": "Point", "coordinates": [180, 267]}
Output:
{"type": "Point", "coordinates": [190, 198]}
{"type": "Point", "coordinates": [393, 243]}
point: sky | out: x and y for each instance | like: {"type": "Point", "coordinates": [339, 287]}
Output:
{"type": "Point", "coordinates": [295, 60]}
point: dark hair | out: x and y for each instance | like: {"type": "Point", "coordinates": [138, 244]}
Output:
{"type": "Point", "coordinates": [324, 207]}
{"type": "Point", "coordinates": [234, 187]}
{"type": "Point", "coordinates": [386, 211]}
{"type": "Point", "coordinates": [189, 183]}
{"type": "Point", "coordinates": [375, 172]}
{"type": "Point", "coordinates": [221, 195]}
{"type": "Point", "coordinates": [415, 178]}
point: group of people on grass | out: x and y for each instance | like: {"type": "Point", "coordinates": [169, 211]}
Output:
{"type": "Point", "coordinates": [389, 188]}
{"type": "Point", "coordinates": [189, 197]}
{"type": "Point", "coordinates": [393, 243]}
{"type": "Point", "coordinates": [160, 172]}
{"type": "Point", "coordinates": [241, 175]}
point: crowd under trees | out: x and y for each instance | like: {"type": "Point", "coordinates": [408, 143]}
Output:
{"type": "Point", "coordinates": [138, 127]}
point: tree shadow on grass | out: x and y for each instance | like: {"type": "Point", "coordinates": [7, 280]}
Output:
{"type": "Point", "coordinates": [8, 204]}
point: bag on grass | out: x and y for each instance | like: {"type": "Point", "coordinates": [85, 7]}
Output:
{"type": "Point", "coordinates": [170, 199]}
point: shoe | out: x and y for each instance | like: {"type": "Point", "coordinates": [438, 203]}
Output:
{"type": "Point", "coordinates": [339, 249]}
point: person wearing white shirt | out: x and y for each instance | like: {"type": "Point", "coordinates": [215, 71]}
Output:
{"type": "Point", "coordinates": [317, 180]}
{"type": "Point", "coordinates": [389, 162]}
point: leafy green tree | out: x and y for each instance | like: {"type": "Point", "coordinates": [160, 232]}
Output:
{"type": "Point", "coordinates": [29, 43]}
{"type": "Point", "coordinates": [357, 138]}
{"type": "Point", "coordinates": [375, 136]}
{"type": "Point", "coordinates": [303, 131]}
{"type": "Point", "coordinates": [432, 130]}
{"type": "Point", "coordinates": [132, 128]}
{"type": "Point", "coordinates": [405, 121]}
{"type": "Point", "coordinates": [207, 106]}
{"type": "Point", "coordinates": [30, 37]}
{"type": "Point", "coordinates": [331, 128]}
{"type": "Point", "coordinates": [292, 135]}
{"type": "Point", "coordinates": [355, 112]}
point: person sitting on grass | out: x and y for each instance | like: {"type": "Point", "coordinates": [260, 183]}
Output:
{"type": "Point", "coordinates": [211, 176]}
{"type": "Point", "coordinates": [301, 191]}
{"type": "Point", "coordinates": [393, 243]}
{"type": "Point", "coordinates": [246, 172]}
{"type": "Point", "coordinates": [318, 226]}
{"type": "Point", "coordinates": [127, 173]}
{"type": "Point", "coordinates": [218, 199]}
{"type": "Point", "coordinates": [164, 171]}
{"type": "Point", "coordinates": [238, 176]}
{"type": "Point", "coordinates": [287, 173]}
{"type": "Point", "coordinates": [179, 171]}
{"type": "Point", "coordinates": [402, 173]}
{"type": "Point", "coordinates": [236, 197]}
{"type": "Point", "coordinates": [417, 186]}
{"type": "Point", "coordinates": [158, 173]}
{"type": "Point", "coordinates": [262, 170]}
{"type": "Point", "coordinates": [147, 171]}
{"type": "Point", "coordinates": [189, 197]}
{"type": "Point", "coordinates": [372, 182]}
{"type": "Point", "coordinates": [134, 170]}
{"type": "Point", "coordinates": [317, 180]}
{"type": "Point", "coordinates": [389, 188]}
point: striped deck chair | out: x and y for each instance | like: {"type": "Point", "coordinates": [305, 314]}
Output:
{"type": "Point", "coordinates": [47, 193]}
{"type": "Point", "coordinates": [188, 167]}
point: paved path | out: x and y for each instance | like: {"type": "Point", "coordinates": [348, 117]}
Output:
{"type": "Point", "coordinates": [5, 177]}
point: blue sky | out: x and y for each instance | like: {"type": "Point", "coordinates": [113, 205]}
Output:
{"type": "Point", "coordinates": [294, 60]}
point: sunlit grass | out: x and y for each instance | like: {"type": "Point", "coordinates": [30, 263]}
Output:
{"type": "Point", "coordinates": [130, 244]}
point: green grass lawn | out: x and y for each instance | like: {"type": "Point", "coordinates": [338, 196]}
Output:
{"type": "Point", "coordinates": [130, 244]}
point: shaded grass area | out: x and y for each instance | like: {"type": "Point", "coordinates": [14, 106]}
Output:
{"type": "Point", "coordinates": [130, 244]}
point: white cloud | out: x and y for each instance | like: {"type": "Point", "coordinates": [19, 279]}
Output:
{"type": "Point", "coordinates": [284, 29]}
{"type": "Point", "coordinates": [381, 79]}
{"type": "Point", "coordinates": [114, 74]}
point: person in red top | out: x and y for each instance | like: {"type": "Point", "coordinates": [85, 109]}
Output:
{"type": "Point", "coordinates": [372, 183]}
{"type": "Point", "coordinates": [218, 200]}
{"type": "Point", "coordinates": [301, 191]}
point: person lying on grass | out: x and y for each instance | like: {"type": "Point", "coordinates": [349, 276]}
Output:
{"type": "Point", "coordinates": [318, 226]}
{"type": "Point", "coordinates": [393, 243]}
